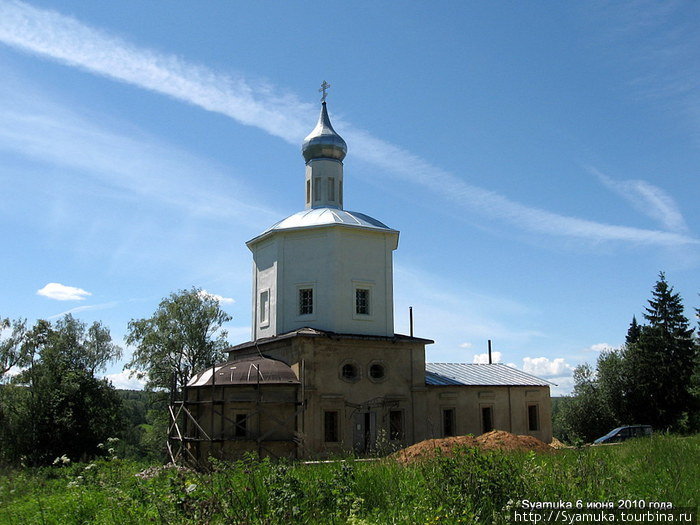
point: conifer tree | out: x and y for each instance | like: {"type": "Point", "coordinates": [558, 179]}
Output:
{"type": "Point", "coordinates": [633, 331]}
{"type": "Point", "coordinates": [661, 362]}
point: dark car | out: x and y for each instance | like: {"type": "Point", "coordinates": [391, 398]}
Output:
{"type": "Point", "coordinates": [624, 433]}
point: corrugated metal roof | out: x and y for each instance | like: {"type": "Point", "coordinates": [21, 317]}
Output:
{"type": "Point", "coordinates": [497, 374]}
{"type": "Point", "coordinates": [315, 217]}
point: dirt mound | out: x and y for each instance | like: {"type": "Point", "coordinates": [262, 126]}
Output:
{"type": "Point", "coordinates": [558, 444]}
{"type": "Point", "coordinates": [494, 440]}
{"type": "Point", "coordinates": [502, 440]}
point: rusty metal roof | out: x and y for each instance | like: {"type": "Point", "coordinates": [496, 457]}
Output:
{"type": "Point", "coordinates": [496, 374]}
{"type": "Point", "coordinates": [313, 332]}
{"type": "Point", "coordinates": [247, 371]}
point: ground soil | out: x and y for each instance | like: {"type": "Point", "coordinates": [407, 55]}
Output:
{"type": "Point", "coordinates": [494, 440]}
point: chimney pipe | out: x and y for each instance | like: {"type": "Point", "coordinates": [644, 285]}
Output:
{"type": "Point", "coordinates": [490, 361]}
{"type": "Point", "coordinates": [410, 318]}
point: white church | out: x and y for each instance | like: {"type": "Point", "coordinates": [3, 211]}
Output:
{"type": "Point", "coordinates": [324, 372]}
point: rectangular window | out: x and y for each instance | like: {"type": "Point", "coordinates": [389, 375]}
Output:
{"type": "Point", "coordinates": [317, 189]}
{"type": "Point", "coordinates": [340, 193]}
{"type": "Point", "coordinates": [308, 191]}
{"type": "Point", "coordinates": [448, 422]}
{"type": "Point", "coordinates": [533, 419]}
{"type": "Point", "coordinates": [265, 307]}
{"type": "Point", "coordinates": [331, 189]}
{"type": "Point", "coordinates": [330, 427]}
{"type": "Point", "coordinates": [241, 428]}
{"type": "Point", "coordinates": [395, 425]}
{"type": "Point", "coordinates": [486, 419]}
{"type": "Point", "coordinates": [362, 301]}
{"type": "Point", "coordinates": [306, 301]}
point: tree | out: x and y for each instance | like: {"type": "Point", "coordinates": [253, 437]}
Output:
{"type": "Point", "coordinates": [183, 335]}
{"type": "Point", "coordinates": [633, 331]}
{"type": "Point", "coordinates": [57, 405]}
{"type": "Point", "coordinates": [661, 362]}
{"type": "Point", "coordinates": [14, 351]}
{"type": "Point", "coordinates": [586, 415]}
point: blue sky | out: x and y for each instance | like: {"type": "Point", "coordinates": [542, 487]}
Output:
{"type": "Point", "coordinates": [540, 159]}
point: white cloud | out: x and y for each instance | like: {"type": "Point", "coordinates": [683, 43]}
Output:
{"type": "Point", "coordinates": [543, 366]}
{"type": "Point", "coordinates": [600, 347]}
{"type": "Point", "coordinates": [647, 199]}
{"type": "Point", "coordinates": [61, 292]}
{"type": "Point", "coordinates": [219, 298]}
{"type": "Point", "coordinates": [122, 381]}
{"type": "Point", "coordinates": [66, 40]}
{"type": "Point", "coordinates": [564, 385]}
{"type": "Point", "coordinates": [466, 345]}
{"type": "Point", "coordinates": [484, 358]}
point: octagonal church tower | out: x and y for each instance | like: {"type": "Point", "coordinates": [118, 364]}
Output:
{"type": "Point", "coordinates": [324, 267]}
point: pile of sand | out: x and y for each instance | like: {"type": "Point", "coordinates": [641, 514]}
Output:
{"type": "Point", "coordinates": [494, 440]}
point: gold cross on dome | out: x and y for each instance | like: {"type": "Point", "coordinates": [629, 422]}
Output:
{"type": "Point", "coordinates": [324, 88]}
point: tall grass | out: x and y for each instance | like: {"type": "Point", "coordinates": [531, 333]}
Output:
{"type": "Point", "coordinates": [470, 487]}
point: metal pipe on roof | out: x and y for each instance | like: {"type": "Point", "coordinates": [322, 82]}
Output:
{"type": "Point", "coordinates": [490, 361]}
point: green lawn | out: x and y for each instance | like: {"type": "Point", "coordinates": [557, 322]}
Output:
{"type": "Point", "coordinates": [472, 487]}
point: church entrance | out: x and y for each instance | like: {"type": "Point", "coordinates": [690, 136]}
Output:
{"type": "Point", "coordinates": [364, 431]}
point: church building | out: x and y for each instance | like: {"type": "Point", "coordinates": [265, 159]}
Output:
{"type": "Point", "coordinates": [324, 372]}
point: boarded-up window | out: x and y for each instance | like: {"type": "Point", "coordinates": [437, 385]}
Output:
{"type": "Point", "coordinates": [533, 417]}
{"type": "Point", "coordinates": [331, 189]}
{"type": "Point", "coordinates": [330, 426]}
{"type": "Point", "coordinates": [306, 301]}
{"type": "Point", "coordinates": [241, 427]}
{"type": "Point", "coordinates": [448, 422]}
{"type": "Point", "coordinates": [395, 425]}
{"type": "Point", "coordinates": [317, 189]}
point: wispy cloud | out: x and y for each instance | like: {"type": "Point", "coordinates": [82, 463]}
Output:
{"type": "Point", "coordinates": [78, 309]}
{"type": "Point", "coordinates": [61, 292]}
{"type": "Point", "coordinates": [135, 164]}
{"type": "Point", "coordinates": [64, 39]}
{"type": "Point", "coordinates": [647, 199]}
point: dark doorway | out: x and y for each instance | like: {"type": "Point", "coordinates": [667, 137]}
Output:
{"type": "Point", "coordinates": [486, 419]}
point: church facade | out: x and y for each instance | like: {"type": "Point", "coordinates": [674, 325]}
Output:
{"type": "Point", "coordinates": [324, 373]}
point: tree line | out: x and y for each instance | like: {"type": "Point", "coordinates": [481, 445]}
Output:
{"type": "Point", "coordinates": [53, 402]}
{"type": "Point", "coordinates": [653, 378]}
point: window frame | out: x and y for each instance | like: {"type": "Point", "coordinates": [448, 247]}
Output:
{"type": "Point", "coordinates": [371, 306]}
{"type": "Point", "coordinates": [264, 308]}
{"type": "Point", "coordinates": [490, 407]}
{"type": "Point", "coordinates": [334, 426]}
{"type": "Point", "coordinates": [393, 435]}
{"type": "Point", "coordinates": [453, 421]}
{"type": "Point", "coordinates": [240, 425]}
{"type": "Point", "coordinates": [536, 407]}
{"type": "Point", "coordinates": [314, 301]}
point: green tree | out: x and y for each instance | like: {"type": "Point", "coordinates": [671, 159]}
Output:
{"type": "Point", "coordinates": [183, 335]}
{"type": "Point", "coordinates": [586, 415]}
{"type": "Point", "coordinates": [14, 350]}
{"type": "Point", "coordinates": [58, 405]}
{"type": "Point", "coordinates": [661, 362]}
{"type": "Point", "coordinates": [633, 331]}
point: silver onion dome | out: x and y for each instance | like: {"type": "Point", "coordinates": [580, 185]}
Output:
{"type": "Point", "coordinates": [323, 142]}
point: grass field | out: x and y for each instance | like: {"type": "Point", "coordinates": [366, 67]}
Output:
{"type": "Point", "coordinates": [471, 487]}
